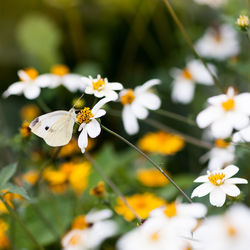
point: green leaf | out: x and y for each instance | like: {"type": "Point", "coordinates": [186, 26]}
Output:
{"type": "Point", "coordinates": [16, 190]}
{"type": "Point", "coordinates": [7, 172]}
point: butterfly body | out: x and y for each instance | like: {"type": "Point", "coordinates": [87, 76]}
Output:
{"type": "Point", "coordinates": [55, 128]}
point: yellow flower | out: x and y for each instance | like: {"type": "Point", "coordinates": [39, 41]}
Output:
{"type": "Point", "coordinates": [143, 204]}
{"type": "Point", "coordinates": [69, 149]}
{"type": "Point", "coordinates": [99, 190]}
{"type": "Point", "coordinates": [8, 198]}
{"type": "Point", "coordinates": [29, 112]}
{"type": "Point", "coordinates": [80, 222]}
{"type": "Point", "coordinates": [79, 176]}
{"type": "Point", "coordinates": [161, 143]}
{"type": "Point", "coordinates": [151, 178]}
{"type": "Point", "coordinates": [25, 130]}
{"type": "Point", "coordinates": [31, 177]}
{"type": "Point", "coordinates": [4, 241]}
{"type": "Point", "coordinates": [243, 22]}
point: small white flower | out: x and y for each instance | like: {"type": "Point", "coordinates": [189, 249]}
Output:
{"type": "Point", "coordinates": [185, 80]}
{"type": "Point", "coordinates": [225, 113]}
{"type": "Point", "coordinates": [100, 87]}
{"type": "Point", "coordinates": [226, 232]}
{"type": "Point", "coordinates": [219, 43]}
{"type": "Point", "coordinates": [60, 75]}
{"type": "Point", "coordinates": [27, 85]}
{"type": "Point", "coordinates": [136, 104]}
{"type": "Point", "coordinates": [219, 156]}
{"type": "Point", "coordinates": [89, 126]}
{"type": "Point", "coordinates": [219, 184]}
{"type": "Point", "coordinates": [242, 136]}
{"type": "Point", "coordinates": [212, 3]}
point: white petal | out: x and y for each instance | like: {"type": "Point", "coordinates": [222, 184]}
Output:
{"type": "Point", "coordinates": [89, 90]}
{"type": "Point", "coordinates": [99, 105]}
{"type": "Point", "coordinates": [94, 216]}
{"type": "Point", "coordinates": [196, 210]}
{"type": "Point", "coordinates": [230, 170]}
{"type": "Point", "coordinates": [207, 116]}
{"type": "Point", "coordinates": [99, 113]}
{"type": "Point", "coordinates": [139, 111]}
{"type": "Point", "coordinates": [221, 128]}
{"type": "Point", "coordinates": [242, 136]}
{"type": "Point", "coordinates": [230, 189]}
{"type": "Point", "coordinates": [217, 100]}
{"type": "Point", "coordinates": [239, 121]}
{"type": "Point", "coordinates": [236, 181]}
{"type": "Point", "coordinates": [115, 86]}
{"type": "Point", "coordinates": [83, 139]}
{"type": "Point", "coordinates": [149, 100]}
{"type": "Point", "coordinates": [217, 197]}
{"type": "Point", "coordinates": [129, 120]}
{"type": "Point", "coordinates": [203, 178]}
{"type": "Point", "coordinates": [14, 89]}
{"type": "Point", "coordinates": [93, 128]}
{"type": "Point", "coordinates": [111, 94]}
{"type": "Point", "coordinates": [202, 190]}
{"type": "Point", "coordinates": [242, 103]}
{"type": "Point", "coordinates": [73, 82]}
{"type": "Point", "coordinates": [147, 85]}
{"type": "Point", "coordinates": [32, 91]}
{"type": "Point", "coordinates": [48, 80]}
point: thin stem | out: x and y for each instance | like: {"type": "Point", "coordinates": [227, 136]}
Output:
{"type": "Point", "coordinates": [43, 105]}
{"type": "Point", "coordinates": [187, 138]}
{"type": "Point", "coordinates": [176, 117]}
{"type": "Point", "coordinates": [16, 217]}
{"type": "Point", "coordinates": [189, 42]}
{"type": "Point", "coordinates": [112, 185]}
{"type": "Point", "coordinates": [149, 159]}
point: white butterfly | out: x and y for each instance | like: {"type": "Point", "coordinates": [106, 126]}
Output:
{"type": "Point", "coordinates": [55, 128]}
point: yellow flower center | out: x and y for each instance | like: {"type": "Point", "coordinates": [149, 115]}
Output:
{"type": "Point", "coordinates": [170, 210]}
{"type": "Point", "coordinates": [31, 72]}
{"type": "Point", "coordinates": [186, 74]}
{"type": "Point", "coordinates": [228, 105]}
{"type": "Point", "coordinates": [85, 115]}
{"type": "Point", "coordinates": [217, 178]}
{"type": "Point", "coordinates": [128, 98]}
{"type": "Point", "coordinates": [75, 239]}
{"type": "Point", "coordinates": [25, 130]}
{"type": "Point", "coordinates": [155, 236]}
{"type": "Point", "coordinates": [80, 223]}
{"type": "Point", "coordinates": [59, 70]}
{"type": "Point", "coordinates": [243, 21]}
{"type": "Point", "coordinates": [231, 231]}
{"type": "Point", "coordinates": [99, 84]}
{"type": "Point", "coordinates": [220, 143]}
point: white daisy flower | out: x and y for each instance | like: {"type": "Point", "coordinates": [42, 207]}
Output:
{"type": "Point", "coordinates": [242, 136]}
{"type": "Point", "coordinates": [93, 235]}
{"type": "Point", "coordinates": [219, 156]}
{"type": "Point", "coordinates": [89, 126]}
{"type": "Point", "coordinates": [219, 184]}
{"type": "Point", "coordinates": [219, 43]}
{"type": "Point", "coordinates": [226, 232]}
{"type": "Point", "coordinates": [27, 85]}
{"type": "Point", "coordinates": [185, 80]}
{"type": "Point", "coordinates": [136, 104]}
{"type": "Point", "coordinates": [60, 74]}
{"type": "Point", "coordinates": [225, 113]}
{"type": "Point", "coordinates": [212, 3]}
{"type": "Point", "coordinates": [153, 234]}
{"type": "Point", "coordinates": [100, 87]}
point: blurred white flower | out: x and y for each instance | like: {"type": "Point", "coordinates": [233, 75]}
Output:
{"type": "Point", "coordinates": [219, 184]}
{"type": "Point", "coordinates": [219, 43]}
{"type": "Point", "coordinates": [89, 126]}
{"type": "Point", "coordinates": [219, 156]}
{"type": "Point", "coordinates": [226, 232]}
{"type": "Point", "coordinates": [60, 74]}
{"type": "Point", "coordinates": [212, 3]}
{"type": "Point", "coordinates": [100, 87]}
{"type": "Point", "coordinates": [184, 80]}
{"type": "Point", "coordinates": [28, 84]}
{"type": "Point", "coordinates": [242, 136]}
{"type": "Point", "coordinates": [225, 113]}
{"type": "Point", "coordinates": [92, 236]}
{"type": "Point", "coordinates": [136, 104]}
{"type": "Point", "coordinates": [153, 234]}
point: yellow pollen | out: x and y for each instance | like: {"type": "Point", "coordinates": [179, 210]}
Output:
{"type": "Point", "coordinates": [186, 74]}
{"type": "Point", "coordinates": [155, 236]}
{"type": "Point", "coordinates": [59, 69]}
{"type": "Point", "coordinates": [75, 239]}
{"type": "Point", "coordinates": [170, 210]}
{"type": "Point", "coordinates": [220, 143]}
{"type": "Point", "coordinates": [231, 231]}
{"type": "Point", "coordinates": [31, 72]}
{"type": "Point", "coordinates": [99, 84]}
{"type": "Point", "coordinates": [217, 178]}
{"type": "Point", "coordinates": [228, 105]}
{"type": "Point", "coordinates": [80, 223]}
{"type": "Point", "coordinates": [128, 98]}
{"type": "Point", "coordinates": [85, 115]}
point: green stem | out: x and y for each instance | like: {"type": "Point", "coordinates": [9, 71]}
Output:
{"type": "Point", "coordinates": [149, 159]}
{"type": "Point", "coordinates": [112, 185]}
{"type": "Point", "coordinates": [16, 217]}
{"type": "Point", "coordinates": [43, 105]}
{"type": "Point", "coordinates": [176, 117]}
{"type": "Point", "coordinates": [189, 42]}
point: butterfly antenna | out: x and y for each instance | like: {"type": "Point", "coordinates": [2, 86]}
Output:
{"type": "Point", "coordinates": [78, 100]}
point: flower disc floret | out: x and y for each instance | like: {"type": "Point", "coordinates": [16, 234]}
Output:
{"type": "Point", "coordinates": [217, 178]}
{"type": "Point", "coordinates": [99, 84]}
{"type": "Point", "coordinates": [128, 97]}
{"type": "Point", "coordinates": [85, 115]}
{"type": "Point", "coordinates": [228, 105]}
{"type": "Point", "coordinates": [171, 210]}
{"type": "Point", "coordinates": [60, 70]}
{"type": "Point", "coordinates": [30, 72]}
